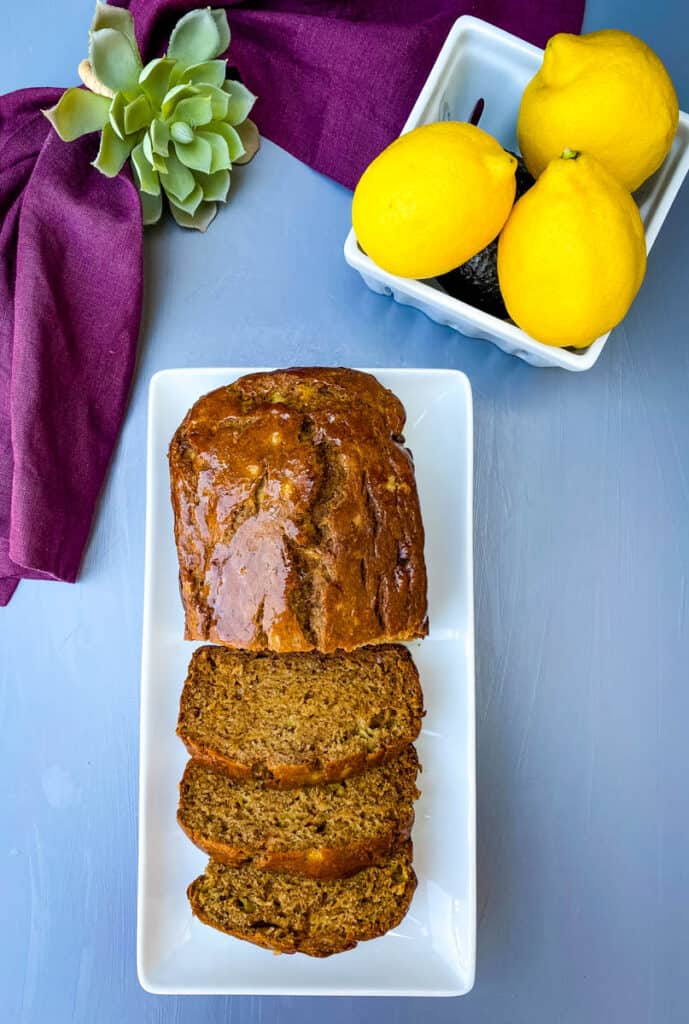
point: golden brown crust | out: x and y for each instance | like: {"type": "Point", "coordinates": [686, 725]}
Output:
{"type": "Point", "coordinates": [325, 862]}
{"type": "Point", "coordinates": [297, 519]}
{"type": "Point", "coordinates": [290, 776]}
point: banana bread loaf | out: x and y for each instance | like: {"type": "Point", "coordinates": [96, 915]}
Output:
{"type": "Point", "coordinates": [296, 719]}
{"type": "Point", "coordinates": [291, 914]}
{"type": "Point", "coordinates": [326, 831]}
{"type": "Point", "coordinates": [297, 519]}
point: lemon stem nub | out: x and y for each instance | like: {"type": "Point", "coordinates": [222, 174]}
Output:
{"type": "Point", "coordinates": [570, 154]}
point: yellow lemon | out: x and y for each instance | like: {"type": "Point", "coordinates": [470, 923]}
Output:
{"type": "Point", "coordinates": [572, 254]}
{"type": "Point", "coordinates": [433, 199]}
{"type": "Point", "coordinates": [606, 94]}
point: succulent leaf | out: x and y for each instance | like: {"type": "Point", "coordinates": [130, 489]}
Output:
{"type": "Point", "coordinates": [248, 133]}
{"type": "Point", "coordinates": [177, 180]}
{"type": "Point", "coordinates": [121, 20]}
{"type": "Point", "coordinates": [220, 101]}
{"type": "Point", "coordinates": [154, 79]}
{"type": "Point", "coordinates": [156, 160]}
{"type": "Point", "coordinates": [191, 203]}
{"type": "Point", "coordinates": [195, 110]}
{"type": "Point", "coordinates": [215, 186]}
{"type": "Point", "coordinates": [177, 75]}
{"type": "Point", "coordinates": [117, 106]}
{"type": "Point", "coordinates": [151, 207]}
{"type": "Point", "coordinates": [77, 113]}
{"type": "Point", "coordinates": [197, 155]}
{"type": "Point", "coordinates": [160, 137]}
{"type": "Point", "coordinates": [137, 115]}
{"type": "Point", "coordinates": [146, 176]}
{"type": "Point", "coordinates": [209, 72]}
{"type": "Point", "coordinates": [200, 220]}
{"type": "Point", "coordinates": [174, 95]}
{"type": "Point", "coordinates": [160, 163]}
{"type": "Point", "coordinates": [148, 147]}
{"type": "Point", "coordinates": [195, 38]}
{"type": "Point", "coordinates": [220, 158]}
{"type": "Point", "coordinates": [241, 102]}
{"type": "Point", "coordinates": [231, 137]}
{"type": "Point", "coordinates": [180, 131]}
{"type": "Point", "coordinates": [114, 60]}
{"type": "Point", "coordinates": [219, 15]}
{"type": "Point", "coordinates": [112, 153]}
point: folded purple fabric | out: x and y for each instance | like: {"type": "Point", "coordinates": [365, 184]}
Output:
{"type": "Point", "coordinates": [336, 81]}
{"type": "Point", "coordinates": [70, 306]}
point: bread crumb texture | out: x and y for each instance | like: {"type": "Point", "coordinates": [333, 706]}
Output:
{"type": "Point", "coordinates": [300, 718]}
{"type": "Point", "coordinates": [291, 914]}
{"type": "Point", "coordinates": [325, 831]}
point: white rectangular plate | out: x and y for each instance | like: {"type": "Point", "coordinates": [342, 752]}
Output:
{"type": "Point", "coordinates": [433, 951]}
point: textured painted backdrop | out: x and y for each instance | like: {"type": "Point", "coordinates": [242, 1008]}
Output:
{"type": "Point", "coordinates": [582, 604]}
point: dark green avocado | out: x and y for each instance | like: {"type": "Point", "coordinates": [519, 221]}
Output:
{"type": "Point", "coordinates": [476, 281]}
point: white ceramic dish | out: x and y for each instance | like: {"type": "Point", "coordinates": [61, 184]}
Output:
{"type": "Point", "coordinates": [433, 951]}
{"type": "Point", "coordinates": [481, 61]}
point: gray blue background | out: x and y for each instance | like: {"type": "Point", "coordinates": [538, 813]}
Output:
{"type": "Point", "coordinates": [582, 617]}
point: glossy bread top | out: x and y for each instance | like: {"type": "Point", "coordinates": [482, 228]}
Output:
{"type": "Point", "coordinates": [297, 518]}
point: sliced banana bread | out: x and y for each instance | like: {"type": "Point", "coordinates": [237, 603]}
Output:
{"type": "Point", "coordinates": [325, 831]}
{"type": "Point", "coordinates": [292, 914]}
{"type": "Point", "coordinates": [297, 519]}
{"type": "Point", "coordinates": [298, 719]}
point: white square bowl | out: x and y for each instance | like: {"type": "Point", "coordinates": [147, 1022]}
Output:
{"type": "Point", "coordinates": [481, 61]}
{"type": "Point", "coordinates": [432, 952]}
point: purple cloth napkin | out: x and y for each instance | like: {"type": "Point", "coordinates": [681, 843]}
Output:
{"type": "Point", "coordinates": [336, 81]}
{"type": "Point", "coordinates": [70, 306]}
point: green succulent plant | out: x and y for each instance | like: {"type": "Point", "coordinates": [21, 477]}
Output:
{"type": "Point", "coordinates": [178, 119]}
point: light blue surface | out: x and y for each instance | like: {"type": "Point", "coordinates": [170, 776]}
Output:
{"type": "Point", "coordinates": [582, 606]}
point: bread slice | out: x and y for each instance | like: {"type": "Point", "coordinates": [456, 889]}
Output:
{"type": "Point", "coordinates": [292, 914]}
{"type": "Point", "coordinates": [326, 831]}
{"type": "Point", "coordinates": [299, 719]}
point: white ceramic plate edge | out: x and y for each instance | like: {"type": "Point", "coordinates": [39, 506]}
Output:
{"type": "Point", "coordinates": [144, 710]}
